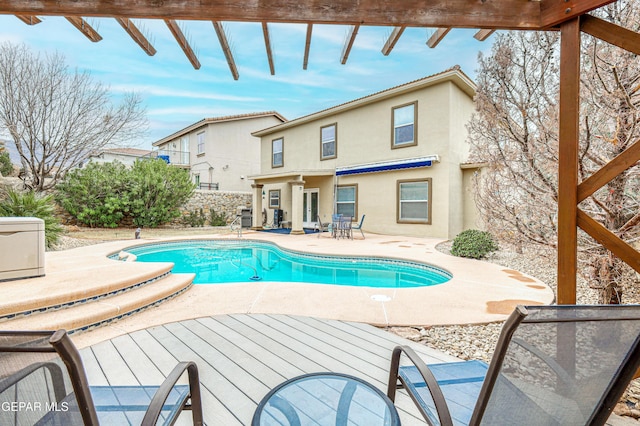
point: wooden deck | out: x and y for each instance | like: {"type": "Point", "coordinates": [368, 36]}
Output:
{"type": "Point", "coordinates": [241, 357]}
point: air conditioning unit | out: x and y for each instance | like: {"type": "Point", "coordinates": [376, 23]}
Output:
{"type": "Point", "coordinates": [22, 247]}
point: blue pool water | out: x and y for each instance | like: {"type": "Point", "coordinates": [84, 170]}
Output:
{"type": "Point", "coordinates": [231, 261]}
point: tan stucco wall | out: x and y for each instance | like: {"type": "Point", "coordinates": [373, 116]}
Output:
{"type": "Point", "coordinates": [364, 136]}
{"type": "Point", "coordinates": [227, 143]}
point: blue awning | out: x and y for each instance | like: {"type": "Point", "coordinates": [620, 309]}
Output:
{"type": "Point", "coordinates": [411, 163]}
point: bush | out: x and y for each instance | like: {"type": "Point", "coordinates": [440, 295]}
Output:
{"type": "Point", "coordinates": [473, 243]}
{"type": "Point", "coordinates": [96, 195]}
{"type": "Point", "coordinates": [102, 194]}
{"type": "Point", "coordinates": [217, 219]}
{"type": "Point", "coordinates": [32, 204]}
{"type": "Point", "coordinates": [156, 191]}
{"type": "Point", "coordinates": [6, 167]}
{"type": "Point", "coordinates": [194, 219]}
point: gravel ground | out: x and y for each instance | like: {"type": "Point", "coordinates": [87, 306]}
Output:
{"type": "Point", "coordinates": [479, 341]}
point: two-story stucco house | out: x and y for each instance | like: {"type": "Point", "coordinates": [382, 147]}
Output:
{"type": "Point", "coordinates": [397, 156]}
{"type": "Point", "coordinates": [219, 152]}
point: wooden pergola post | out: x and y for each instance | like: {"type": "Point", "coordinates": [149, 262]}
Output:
{"type": "Point", "coordinates": [568, 161]}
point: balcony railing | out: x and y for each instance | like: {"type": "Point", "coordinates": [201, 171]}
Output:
{"type": "Point", "coordinates": [208, 186]}
{"type": "Point", "coordinates": [176, 158]}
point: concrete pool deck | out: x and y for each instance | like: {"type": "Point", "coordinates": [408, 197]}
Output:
{"type": "Point", "coordinates": [479, 292]}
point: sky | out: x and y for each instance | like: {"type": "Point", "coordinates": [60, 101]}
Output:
{"type": "Point", "coordinates": [176, 95]}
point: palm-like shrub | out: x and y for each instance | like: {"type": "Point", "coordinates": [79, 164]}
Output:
{"type": "Point", "coordinates": [32, 204]}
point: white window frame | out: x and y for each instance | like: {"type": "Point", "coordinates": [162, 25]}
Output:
{"type": "Point", "coordinates": [328, 141]}
{"type": "Point", "coordinates": [274, 152]}
{"type": "Point", "coordinates": [354, 202]}
{"type": "Point", "coordinates": [201, 143]}
{"type": "Point", "coordinates": [395, 125]}
{"type": "Point", "coordinates": [400, 202]}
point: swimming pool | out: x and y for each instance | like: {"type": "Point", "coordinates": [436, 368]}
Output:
{"type": "Point", "coordinates": [233, 261]}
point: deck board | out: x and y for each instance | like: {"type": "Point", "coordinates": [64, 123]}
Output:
{"type": "Point", "coordinates": [240, 357]}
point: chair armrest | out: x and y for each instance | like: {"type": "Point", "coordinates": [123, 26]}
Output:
{"type": "Point", "coordinates": [57, 378]}
{"type": "Point", "coordinates": [432, 385]}
{"type": "Point", "coordinates": [158, 400]}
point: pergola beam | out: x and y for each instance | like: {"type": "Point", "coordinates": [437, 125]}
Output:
{"type": "Point", "coordinates": [555, 12]}
{"type": "Point", "coordinates": [351, 37]}
{"type": "Point", "coordinates": [84, 27]}
{"type": "Point", "coordinates": [307, 46]}
{"type": "Point", "coordinates": [437, 36]}
{"type": "Point", "coordinates": [483, 34]}
{"type": "Point", "coordinates": [392, 40]}
{"type": "Point", "coordinates": [182, 41]}
{"type": "Point", "coordinates": [267, 44]}
{"type": "Point", "coordinates": [503, 14]}
{"type": "Point", "coordinates": [611, 33]}
{"type": "Point", "coordinates": [29, 19]}
{"type": "Point", "coordinates": [226, 49]}
{"type": "Point", "coordinates": [137, 35]}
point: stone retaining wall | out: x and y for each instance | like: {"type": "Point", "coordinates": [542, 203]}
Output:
{"type": "Point", "coordinates": [227, 203]}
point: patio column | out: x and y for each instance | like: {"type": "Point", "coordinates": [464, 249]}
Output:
{"type": "Point", "coordinates": [297, 192]}
{"type": "Point", "coordinates": [256, 202]}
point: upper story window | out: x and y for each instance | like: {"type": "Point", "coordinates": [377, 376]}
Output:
{"type": "Point", "coordinates": [414, 201]}
{"type": "Point", "coordinates": [201, 143]}
{"type": "Point", "coordinates": [404, 125]}
{"type": "Point", "coordinates": [277, 159]}
{"type": "Point", "coordinates": [328, 141]}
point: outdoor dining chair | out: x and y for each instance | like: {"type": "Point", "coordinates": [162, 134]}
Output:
{"type": "Point", "coordinates": [553, 365]}
{"type": "Point", "coordinates": [43, 382]}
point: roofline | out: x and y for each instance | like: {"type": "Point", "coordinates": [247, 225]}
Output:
{"type": "Point", "coordinates": [454, 75]}
{"type": "Point", "coordinates": [206, 121]}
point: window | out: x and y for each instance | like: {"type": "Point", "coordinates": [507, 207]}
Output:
{"type": "Point", "coordinates": [414, 204]}
{"type": "Point", "coordinates": [277, 159]}
{"type": "Point", "coordinates": [404, 128]}
{"type": "Point", "coordinates": [328, 137]}
{"type": "Point", "coordinates": [201, 143]}
{"type": "Point", "coordinates": [274, 199]}
{"type": "Point", "coordinates": [197, 180]}
{"type": "Point", "coordinates": [346, 200]}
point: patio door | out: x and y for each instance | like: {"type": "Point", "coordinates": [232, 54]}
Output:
{"type": "Point", "coordinates": [310, 207]}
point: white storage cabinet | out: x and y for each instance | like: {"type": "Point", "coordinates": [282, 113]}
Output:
{"type": "Point", "coordinates": [21, 247]}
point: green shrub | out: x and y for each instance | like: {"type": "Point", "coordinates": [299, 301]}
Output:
{"type": "Point", "coordinates": [217, 219]}
{"type": "Point", "coordinates": [473, 243]}
{"type": "Point", "coordinates": [102, 194]}
{"type": "Point", "coordinates": [156, 191]}
{"type": "Point", "coordinates": [194, 219]}
{"type": "Point", "coordinates": [6, 167]}
{"type": "Point", "coordinates": [96, 195]}
{"type": "Point", "coordinates": [32, 204]}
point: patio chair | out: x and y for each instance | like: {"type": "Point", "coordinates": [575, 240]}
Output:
{"type": "Point", "coordinates": [43, 382]}
{"type": "Point", "coordinates": [322, 227]}
{"type": "Point", "coordinates": [358, 227]}
{"type": "Point", "coordinates": [553, 365]}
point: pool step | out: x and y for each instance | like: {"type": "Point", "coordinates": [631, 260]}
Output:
{"type": "Point", "coordinates": [92, 313]}
{"type": "Point", "coordinates": [64, 287]}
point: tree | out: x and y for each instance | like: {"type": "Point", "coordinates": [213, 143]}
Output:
{"type": "Point", "coordinates": [6, 167]}
{"type": "Point", "coordinates": [57, 117]}
{"type": "Point", "coordinates": [515, 127]}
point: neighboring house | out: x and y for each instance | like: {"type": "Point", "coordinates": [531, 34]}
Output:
{"type": "Point", "coordinates": [397, 156]}
{"type": "Point", "coordinates": [219, 152]}
{"type": "Point", "coordinates": [126, 156]}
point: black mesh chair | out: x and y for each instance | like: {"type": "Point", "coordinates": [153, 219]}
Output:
{"type": "Point", "coordinates": [43, 382]}
{"type": "Point", "coordinates": [553, 365]}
